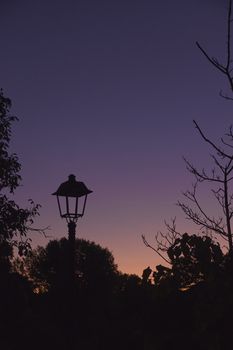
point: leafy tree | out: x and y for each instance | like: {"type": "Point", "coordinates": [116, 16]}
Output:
{"type": "Point", "coordinates": [193, 259]}
{"type": "Point", "coordinates": [47, 267]}
{"type": "Point", "coordinates": [15, 222]}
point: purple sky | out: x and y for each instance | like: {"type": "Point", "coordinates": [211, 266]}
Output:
{"type": "Point", "coordinates": [107, 90]}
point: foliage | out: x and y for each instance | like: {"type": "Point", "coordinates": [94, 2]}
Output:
{"type": "Point", "coordinates": [47, 267]}
{"type": "Point", "coordinates": [10, 166]}
{"type": "Point", "coordinates": [15, 222]}
{"type": "Point", "coordinates": [193, 259]}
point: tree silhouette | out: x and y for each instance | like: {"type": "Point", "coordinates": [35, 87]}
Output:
{"type": "Point", "coordinates": [220, 176]}
{"type": "Point", "coordinates": [15, 222]}
{"type": "Point", "coordinates": [47, 267]}
{"type": "Point", "coordinates": [225, 69]}
{"type": "Point", "coordinates": [193, 259]}
{"type": "Point", "coordinates": [107, 303]}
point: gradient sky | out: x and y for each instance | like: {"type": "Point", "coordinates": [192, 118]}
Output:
{"type": "Point", "coordinates": [107, 90]}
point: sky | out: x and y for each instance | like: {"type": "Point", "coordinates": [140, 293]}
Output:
{"type": "Point", "coordinates": [107, 90]}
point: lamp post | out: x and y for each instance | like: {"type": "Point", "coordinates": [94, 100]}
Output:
{"type": "Point", "coordinates": [71, 198]}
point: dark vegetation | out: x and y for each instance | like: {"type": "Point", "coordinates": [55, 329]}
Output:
{"type": "Point", "coordinates": [186, 304]}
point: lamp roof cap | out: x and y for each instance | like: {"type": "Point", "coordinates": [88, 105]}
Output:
{"type": "Point", "coordinates": [72, 188]}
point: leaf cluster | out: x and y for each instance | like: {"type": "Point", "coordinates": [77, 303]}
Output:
{"type": "Point", "coordinates": [193, 259]}
{"type": "Point", "coordinates": [9, 164]}
{"type": "Point", "coordinates": [15, 222]}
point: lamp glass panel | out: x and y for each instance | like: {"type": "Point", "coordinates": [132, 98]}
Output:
{"type": "Point", "coordinates": [73, 206]}
{"type": "Point", "coordinates": [63, 207]}
{"type": "Point", "coordinates": [82, 204]}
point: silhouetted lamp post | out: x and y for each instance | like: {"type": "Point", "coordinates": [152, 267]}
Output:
{"type": "Point", "coordinates": [71, 199]}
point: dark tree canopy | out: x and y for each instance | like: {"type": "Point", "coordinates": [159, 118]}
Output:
{"type": "Point", "coordinates": [193, 259]}
{"type": "Point", "coordinates": [10, 166]}
{"type": "Point", "coordinates": [47, 267]}
{"type": "Point", "coordinates": [15, 222]}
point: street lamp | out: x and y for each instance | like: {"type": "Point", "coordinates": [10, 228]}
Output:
{"type": "Point", "coordinates": [71, 199]}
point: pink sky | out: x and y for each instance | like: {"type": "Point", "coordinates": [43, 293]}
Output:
{"type": "Point", "coordinates": [108, 93]}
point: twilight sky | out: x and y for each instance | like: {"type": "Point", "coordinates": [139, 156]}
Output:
{"type": "Point", "coordinates": [107, 90]}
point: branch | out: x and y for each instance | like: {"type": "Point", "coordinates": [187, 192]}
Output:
{"type": "Point", "coordinates": [41, 231]}
{"type": "Point", "coordinates": [213, 61]}
{"type": "Point", "coordinates": [226, 143]}
{"type": "Point", "coordinates": [171, 228]}
{"type": "Point", "coordinates": [201, 176]}
{"type": "Point", "coordinates": [219, 197]}
{"type": "Point", "coordinates": [153, 248]}
{"type": "Point", "coordinates": [229, 41]}
{"type": "Point", "coordinates": [226, 70]}
{"type": "Point", "coordinates": [201, 218]}
{"type": "Point", "coordinates": [195, 217]}
{"type": "Point", "coordinates": [225, 96]}
{"type": "Point", "coordinates": [230, 134]}
{"type": "Point", "coordinates": [219, 151]}
{"type": "Point", "coordinates": [218, 164]}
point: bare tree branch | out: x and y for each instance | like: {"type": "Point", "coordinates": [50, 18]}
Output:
{"type": "Point", "coordinates": [212, 60]}
{"type": "Point", "coordinates": [153, 248]}
{"type": "Point", "coordinates": [220, 175]}
{"type": "Point", "coordinates": [219, 151]}
{"type": "Point", "coordinates": [225, 96]}
{"type": "Point", "coordinates": [226, 143]}
{"type": "Point", "coordinates": [224, 162]}
{"type": "Point", "coordinates": [226, 70]}
{"type": "Point", "coordinates": [41, 231]}
{"type": "Point", "coordinates": [201, 176]}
